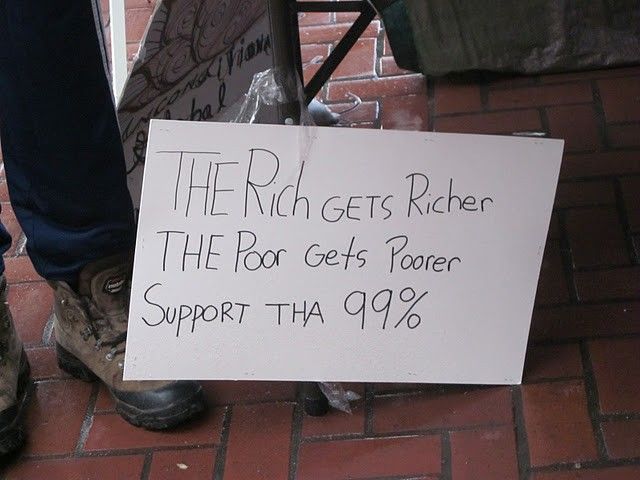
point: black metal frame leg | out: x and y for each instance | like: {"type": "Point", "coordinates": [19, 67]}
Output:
{"type": "Point", "coordinates": [367, 14]}
{"type": "Point", "coordinates": [315, 403]}
{"type": "Point", "coordinates": [286, 41]}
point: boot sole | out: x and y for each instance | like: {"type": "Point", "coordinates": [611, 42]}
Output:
{"type": "Point", "coordinates": [12, 437]}
{"type": "Point", "coordinates": [162, 419]}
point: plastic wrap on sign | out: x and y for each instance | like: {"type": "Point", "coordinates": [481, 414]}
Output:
{"type": "Point", "coordinates": [276, 90]}
{"type": "Point", "coordinates": [338, 397]}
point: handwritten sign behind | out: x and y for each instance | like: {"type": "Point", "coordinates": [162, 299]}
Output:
{"type": "Point", "coordinates": [275, 252]}
{"type": "Point", "coordinates": [197, 58]}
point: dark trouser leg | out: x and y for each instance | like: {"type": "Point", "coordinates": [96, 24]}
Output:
{"type": "Point", "coordinates": [61, 145]}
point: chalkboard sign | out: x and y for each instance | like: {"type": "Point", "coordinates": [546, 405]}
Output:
{"type": "Point", "coordinates": [296, 253]}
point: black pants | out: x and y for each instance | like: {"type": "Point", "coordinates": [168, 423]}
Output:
{"type": "Point", "coordinates": [60, 140]}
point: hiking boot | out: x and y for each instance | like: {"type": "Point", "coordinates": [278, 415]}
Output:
{"type": "Point", "coordinates": [91, 329]}
{"type": "Point", "coordinates": [14, 379]}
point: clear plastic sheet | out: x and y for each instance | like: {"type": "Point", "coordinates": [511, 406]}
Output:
{"type": "Point", "coordinates": [338, 397]}
{"type": "Point", "coordinates": [272, 91]}
{"type": "Point", "coordinates": [273, 88]}
{"type": "Point", "coordinates": [274, 96]}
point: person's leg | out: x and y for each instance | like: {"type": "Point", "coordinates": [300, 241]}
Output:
{"type": "Point", "coordinates": [14, 367]}
{"type": "Point", "coordinates": [63, 156]}
{"type": "Point", "coordinates": [65, 169]}
{"type": "Point", "coordinates": [14, 380]}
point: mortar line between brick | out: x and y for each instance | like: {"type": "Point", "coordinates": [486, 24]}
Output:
{"type": "Point", "coordinates": [623, 123]}
{"type": "Point", "coordinates": [419, 388]}
{"type": "Point", "coordinates": [431, 104]}
{"type": "Point", "coordinates": [543, 106]}
{"type": "Point", "coordinates": [626, 299]}
{"type": "Point", "coordinates": [369, 395]}
{"type": "Point", "coordinates": [358, 76]}
{"type": "Point", "coordinates": [221, 454]}
{"type": "Point", "coordinates": [624, 220]}
{"type": "Point", "coordinates": [379, 50]}
{"type": "Point", "coordinates": [389, 78]}
{"type": "Point", "coordinates": [631, 148]}
{"type": "Point", "coordinates": [47, 332]}
{"type": "Point", "coordinates": [403, 433]}
{"type": "Point", "coordinates": [522, 441]}
{"type": "Point", "coordinates": [586, 303]}
{"type": "Point", "coordinates": [548, 380]}
{"type": "Point", "coordinates": [446, 473]}
{"type": "Point", "coordinates": [377, 122]}
{"type": "Point", "coordinates": [146, 466]}
{"type": "Point", "coordinates": [576, 340]}
{"type": "Point", "coordinates": [482, 112]}
{"type": "Point", "coordinates": [544, 120]}
{"type": "Point", "coordinates": [619, 416]}
{"type": "Point", "coordinates": [605, 268]}
{"type": "Point", "coordinates": [21, 245]}
{"type": "Point", "coordinates": [591, 390]}
{"type": "Point", "coordinates": [567, 258]}
{"type": "Point", "coordinates": [264, 401]}
{"type": "Point", "coordinates": [587, 206]}
{"type": "Point", "coordinates": [601, 120]}
{"type": "Point", "coordinates": [24, 282]}
{"type": "Point", "coordinates": [609, 176]}
{"type": "Point", "coordinates": [296, 433]}
{"type": "Point", "coordinates": [98, 454]}
{"type": "Point", "coordinates": [133, 451]}
{"type": "Point", "coordinates": [518, 108]}
{"type": "Point", "coordinates": [88, 419]}
{"type": "Point", "coordinates": [587, 465]}
{"type": "Point", "coordinates": [427, 476]}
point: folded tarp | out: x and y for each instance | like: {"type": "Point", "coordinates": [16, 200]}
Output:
{"type": "Point", "coordinates": [437, 37]}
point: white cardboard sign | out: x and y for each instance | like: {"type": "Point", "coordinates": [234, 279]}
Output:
{"type": "Point", "coordinates": [272, 252]}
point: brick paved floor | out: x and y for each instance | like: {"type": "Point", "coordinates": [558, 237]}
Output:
{"type": "Point", "coordinates": [577, 416]}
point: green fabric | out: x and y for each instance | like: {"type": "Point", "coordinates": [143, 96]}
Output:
{"type": "Point", "coordinates": [529, 36]}
{"type": "Point", "coordinates": [400, 35]}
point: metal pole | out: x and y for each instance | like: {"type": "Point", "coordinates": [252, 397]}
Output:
{"type": "Point", "coordinates": [285, 58]}
{"type": "Point", "coordinates": [283, 16]}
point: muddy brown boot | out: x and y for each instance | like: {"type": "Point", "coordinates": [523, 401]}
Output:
{"type": "Point", "coordinates": [14, 379]}
{"type": "Point", "coordinates": [91, 329]}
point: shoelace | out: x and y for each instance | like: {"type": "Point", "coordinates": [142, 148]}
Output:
{"type": "Point", "coordinates": [114, 343]}
{"type": "Point", "coordinates": [96, 318]}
